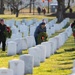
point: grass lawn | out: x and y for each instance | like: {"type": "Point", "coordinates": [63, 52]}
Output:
{"type": "Point", "coordinates": [60, 63]}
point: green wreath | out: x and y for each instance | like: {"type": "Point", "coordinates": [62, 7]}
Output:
{"type": "Point", "coordinates": [42, 37]}
{"type": "Point", "coordinates": [8, 32]}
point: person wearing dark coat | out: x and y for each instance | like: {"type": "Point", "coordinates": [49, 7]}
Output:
{"type": "Point", "coordinates": [39, 10]}
{"type": "Point", "coordinates": [44, 11]}
{"type": "Point", "coordinates": [39, 29]}
{"type": "Point", "coordinates": [2, 36]}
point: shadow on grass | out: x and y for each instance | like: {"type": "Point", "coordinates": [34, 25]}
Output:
{"type": "Point", "coordinates": [59, 52]}
{"type": "Point", "coordinates": [66, 63]}
{"type": "Point", "coordinates": [69, 50]}
{"type": "Point", "coordinates": [49, 70]}
{"type": "Point", "coordinates": [65, 68]}
{"type": "Point", "coordinates": [72, 58]}
{"type": "Point", "coordinates": [4, 53]}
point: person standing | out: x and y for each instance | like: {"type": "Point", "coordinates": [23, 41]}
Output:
{"type": "Point", "coordinates": [39, 10]}
{"type": "Point", "coordinates": [39, 29]}
{"type": "Point", "coordinates": [44, 11]}
{"type": "Point", "coordinates": [2, 36]}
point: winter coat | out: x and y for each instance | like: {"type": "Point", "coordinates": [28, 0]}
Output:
{"type": "Point", "coordinates": [2, 29]}
{"type": "Point", "coordinates": [39, 30]}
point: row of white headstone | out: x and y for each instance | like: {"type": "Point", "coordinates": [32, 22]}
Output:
{"type": "Point", "coordinates": [28, 30]}
{"type": "Point", "coordinates": [21, 29]}
{"type": "Point", "coordinates": [16, 45]}
{"type": "Point", "coordinates": [35, 55]}
{"type": "Point", "coordinates": [53, 27]}
{"type": "Point", "coordinates": [22, 66]}
{"type": "Point", "coordinates": [24, 27]}
{"type": "Point", "coordinates": [46, 49]}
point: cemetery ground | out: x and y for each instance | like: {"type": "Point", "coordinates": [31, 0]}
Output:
{"type": "Point", "coordinates": [60, 63]}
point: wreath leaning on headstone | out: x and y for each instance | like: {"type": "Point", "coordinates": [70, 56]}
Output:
{"type": "Point", "coordinates": [42, 37]}
{"type": "Point", "coordinates": [8, 32]}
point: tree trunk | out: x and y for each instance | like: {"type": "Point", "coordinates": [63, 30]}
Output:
{"type": "Point", "coordinates": [17, 12]}
{"type": "Point", "coordinates": [60, 10]}
{"type": "Point", "coordinates": [1, 7]}
{"type": "Point", "coordinates": [30, 5]}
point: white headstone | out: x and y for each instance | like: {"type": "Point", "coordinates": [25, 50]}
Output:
{"type": "Point", "coordinates": [19, 47]}
{"type": "Point", "coordinates": [11, 48]}
{"type": "Point", "coordinates": [34, 52]}
{"type": "Point", "coordinates": [17, 66]}
{"type": "Point", "coordinates": [48, 51]}
{"type": "Point", "coordinates": [30, 41]}
{"type": "Point", "coordinates": [73, 70]}
{"type": "Point", "coordinates": [23, 44]}
{"type": "Point", "coordinates": [28, 60]}
{"type": "Point", "coordinates": [72, 74]}
{"type": "Point", "coordinates": [42, 52]}
{"type": "Point", "coordinates": [5, 71]}
{"type": "Point", "coordinates": [32, 30]}
{"type": "Point", "coordinates": [74, 64]}
{"type": "Point", "coordinates": [54, 45]}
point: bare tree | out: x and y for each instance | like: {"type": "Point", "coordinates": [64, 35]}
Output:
{"type": "Point", "coordinates": [2, 7]}
{"type": "Point", "coordinates": [15, 4]}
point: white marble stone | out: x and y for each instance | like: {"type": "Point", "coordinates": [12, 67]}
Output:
{"type": "Point", "coordinates": [42, 52]}
{"type": "Point", "coordinates": [32, 30]}
{"type": "Point", "coordinates": [54, 41]}
{"type": "Point", "coordinates": [6, 71]}
{"type": "Point", "coordinates": [11, 48]}
{"type": "Point", "coordinates": [18, 23]}
{"type": "Point", "coordinates": [73, 70]}
{"type": "Point", "coordinates": [23, 44]}
{"type": "Point", "coordinates": [34, 52]}
{"type": "Point", "coordinates": [48, 51]}
{"type": "Point", "coordinates": [72, 74]}
{"type": "Point", "coordinates": [73, 63]}
{"type": "Point", "coordinates": [30, 41]}
{"type": "Point", "coordinates": [19, 46]}
{"type": "Point", "coordinates": [16, 35]}
{"type": "Point", "coordinates": [57, 39]}
{"type": "Point", "coordinates": [29, 63]}
{"type": "Point", "coordinates": [17, 66]}
{"type": "Point", "coordinates": [48, 31]}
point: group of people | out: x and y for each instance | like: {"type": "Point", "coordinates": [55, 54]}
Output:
{"type": "Point", "coordinates": [39, 10]}
{"type": "Point", "coordinates": [39, 29]}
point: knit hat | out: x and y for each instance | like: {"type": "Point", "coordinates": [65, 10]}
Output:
{"type": "Point", "coordinates": [42, 23]}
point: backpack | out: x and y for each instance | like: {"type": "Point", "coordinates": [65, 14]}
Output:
{"type": "Point", "coordinates": [73, 29]}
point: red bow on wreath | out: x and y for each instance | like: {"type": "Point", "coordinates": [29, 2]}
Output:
{"type": "Point", "coordinates": [8, 32]}
{"type": "Point", "coordinates": [43, 37]}
{"type": "Point", "coordinates": [8, 29]}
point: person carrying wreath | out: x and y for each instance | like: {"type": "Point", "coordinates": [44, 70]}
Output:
{"type": "Point", "coordinates": [2, 36]}
{"type": "Point", "coordinates": [41, 28]}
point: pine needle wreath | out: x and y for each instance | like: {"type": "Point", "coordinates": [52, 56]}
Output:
{"type": "Point", "coordinates": [42, 37]}
{"type": "Point", "coordinates": [8, 32]}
